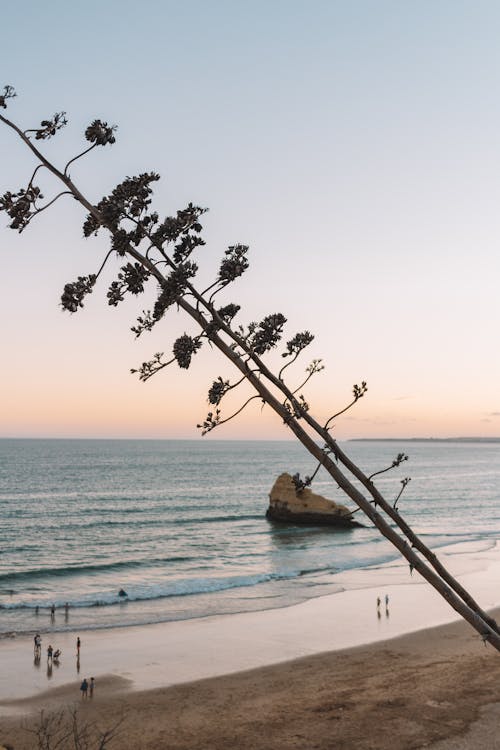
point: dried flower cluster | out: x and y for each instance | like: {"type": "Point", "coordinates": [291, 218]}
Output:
{"type": "Point", "coordinates": [298, 343]}
{"type": "Point", "coordinates": [217, 391]}
{"type": "Point", "coordinates": [49, 128]}
{"type": "Point", "coordinates": [20, 206]}
{"type": "Point", "coordinates": [268, 333]}
{"type": "Point", "coordinates": [184, 348]}
{"type": "Point", "coordinates": [100, 133]}
{"type": "Point", "coordinates": [234, 264]}
{"type": "Point", "coordinates": [210, 423]}
{"type": "Point", "coordinates": [131, 278]}
{"type": "Point", "coordinates": [74, 293]}
{"type": "Point", "coordinates": [8, 93]}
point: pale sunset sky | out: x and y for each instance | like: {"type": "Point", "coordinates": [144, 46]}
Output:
{"type": "Point", "coordinates": [354, 145]}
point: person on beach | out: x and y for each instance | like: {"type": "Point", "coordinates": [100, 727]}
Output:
{"type": "Point", "coordinates": [49, 652]}
{"type": "Point", "coordinates": [91, 687]}
{"type": "Point", "coordinates": [52, 611]}
{"type": "Point", "coordinates": [78, 644]}
{"type": "Point", "coordinates": [57, 654]}
{"type": "Point", "coordinates": [37, 643]}
{"type": "Point", "coordinates": [386, 601]}
{"type": "Point", "coordinates": [378, 602]}
{"type": "Point", "coordinates": [84, 687]}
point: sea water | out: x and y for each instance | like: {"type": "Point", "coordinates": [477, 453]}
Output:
{"type": "Point", "coordinates": [180, 526]}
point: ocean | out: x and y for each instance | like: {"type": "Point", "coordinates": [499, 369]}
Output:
{"type": "Point", "coordinates": [180, 526]}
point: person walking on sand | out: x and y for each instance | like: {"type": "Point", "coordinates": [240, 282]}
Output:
{"type": "Point", "coordinates": [91, 687]}
{"type": "Point", "coordinates": [49, 653]}
{"type": "Point", "coordinates": [78, 644]}
{"type": "Point", "coordinates": [84, 688]}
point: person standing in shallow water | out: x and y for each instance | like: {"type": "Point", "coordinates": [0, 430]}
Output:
{"type": "Point", "coordinates": [91, 687]}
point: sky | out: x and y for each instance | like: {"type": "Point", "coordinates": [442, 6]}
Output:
{"type": "Point", "coordinates": [354, 146]}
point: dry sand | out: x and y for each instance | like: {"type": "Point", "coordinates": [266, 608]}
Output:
{"type": "Point", "coordinates": [410, 692]}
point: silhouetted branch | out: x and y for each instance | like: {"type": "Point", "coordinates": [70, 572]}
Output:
{"type": "Point", "coordinates": [43, 208]}
{"type": "Point", "coordinates": [294, 347]}
{"type": "Point", "coordinates": [313, 368]}
{"type": "Point", "coordinates": [65, 729]}
{"type": "Point", "coordinates": [219, 388]}
{"type": "Point", "coordinates": [213, 420]}
{"type": "Point", "coordinates": [79, 156]}
{"type": "Point", "coordinates": [296, 408]}
{"type": "Point", "coordinates": [404, 482]}
{"type": "Point", "coordinates": [148, 369]}
{"type": "Point", "coordinates": [301, 484]}
{"type": "Point", "coordinates": [358, 391]}
{"type": "Point", "coordinates": [397, 462]}
{"type": "Point", "coordinates": [49, 128]}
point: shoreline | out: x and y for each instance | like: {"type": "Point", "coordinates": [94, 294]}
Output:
{"type": "Point", "coordinates": [433, 688]}
{"type": "Point", "coordinates": [170, 653]}
{"type": "Point", "coordinates": [311, 675]}
{"type": "Point", "coordinates": [164, 654]}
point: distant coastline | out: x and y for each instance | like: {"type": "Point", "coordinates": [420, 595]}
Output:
{"type": "Point", "coordinates": [426, 440]}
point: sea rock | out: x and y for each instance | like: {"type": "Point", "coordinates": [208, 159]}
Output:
{"type": "Point", "coordinates": [305, 507]}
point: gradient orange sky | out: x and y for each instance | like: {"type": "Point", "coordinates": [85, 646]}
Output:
{"type": "Point", "coordinates": [353, 146]}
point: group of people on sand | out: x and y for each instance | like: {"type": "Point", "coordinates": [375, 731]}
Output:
{"type": "Point", "coordinates": [87, 688]}
{"type": "Point", "coordinates": [52, 655]}
{"type": "Point", "coordinates": [379, 602]}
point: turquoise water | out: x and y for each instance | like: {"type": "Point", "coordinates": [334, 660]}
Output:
{"type": "Point", "coordinates": [180, 525]}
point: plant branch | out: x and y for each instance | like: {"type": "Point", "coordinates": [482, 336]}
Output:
{"type": "Point", "coordinates": [261, 378]}
{"type": "Point", "coordinates": [78, 157]}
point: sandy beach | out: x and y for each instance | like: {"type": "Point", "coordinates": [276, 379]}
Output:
{"type": "Point", "coordinates": [436, 688]}
{"type": "Point", "coordinates": [332, 672]}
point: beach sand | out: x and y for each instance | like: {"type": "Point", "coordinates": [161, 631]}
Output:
{"type": "Point", "coordinates": [436, 688]}
{"type": "Point", "coordinates": [333, 672]}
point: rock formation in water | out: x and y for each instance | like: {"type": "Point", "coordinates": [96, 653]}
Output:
{"type": "Point", "coordinates": [305, 507]}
